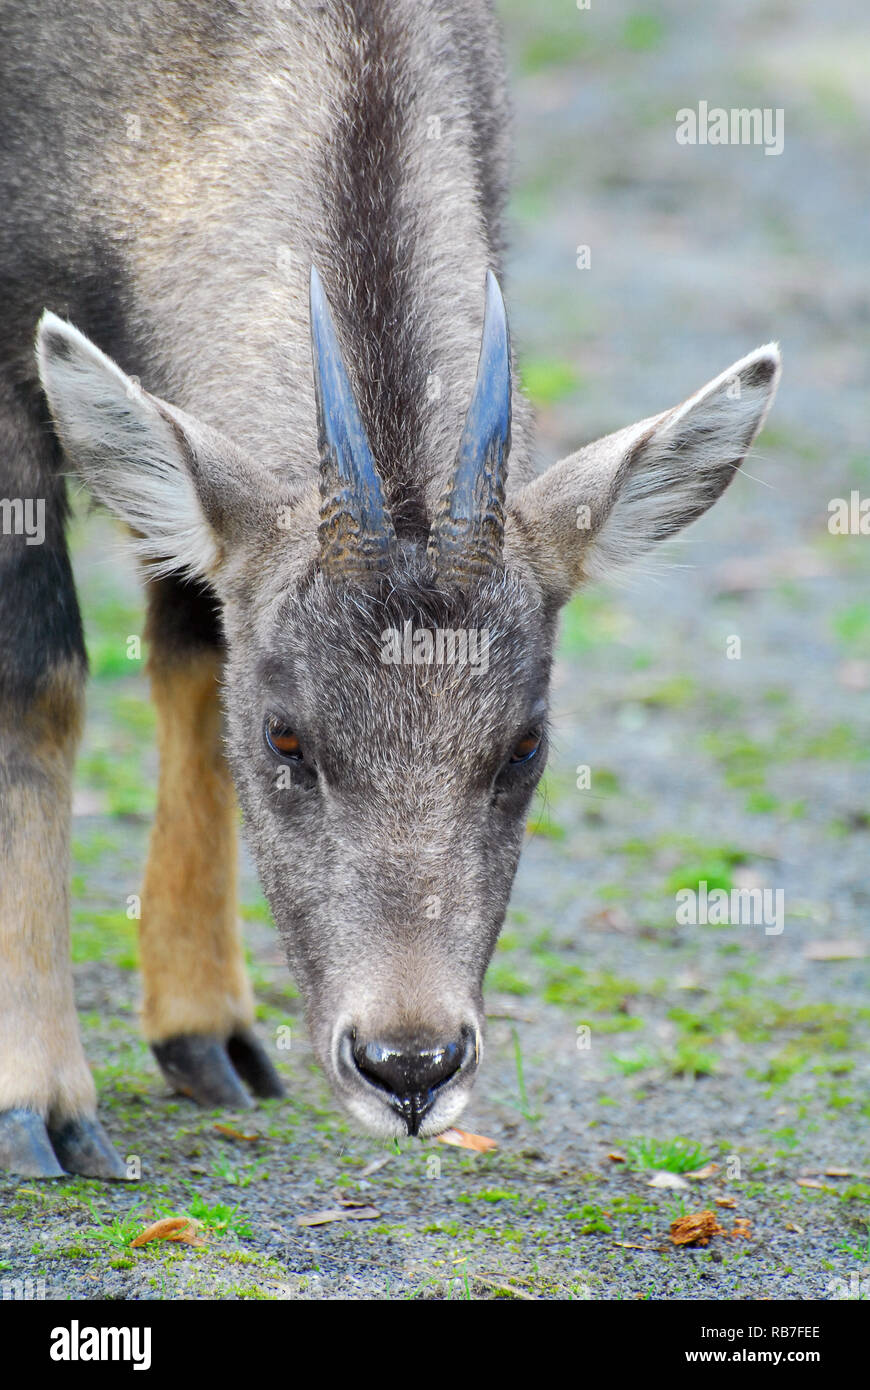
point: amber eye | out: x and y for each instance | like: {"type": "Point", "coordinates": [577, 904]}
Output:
{"type": "Point", "coordinates": [526, 747]}
{"type": "Point", "coordinates": [282, 740]}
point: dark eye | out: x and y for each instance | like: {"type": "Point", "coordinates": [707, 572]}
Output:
{"type": "Point", "coordinates": [526, 747]}
{"type": "Point", "coordinates": [283, 741]}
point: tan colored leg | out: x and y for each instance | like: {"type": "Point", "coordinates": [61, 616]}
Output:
{"type": "Point", "coordinates": [198, 1000]}
{"type": "Point", "coordinates": [194, 972]}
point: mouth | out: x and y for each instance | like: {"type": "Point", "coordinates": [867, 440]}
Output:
{"type": "Point", "coordinates": [406, 1086]}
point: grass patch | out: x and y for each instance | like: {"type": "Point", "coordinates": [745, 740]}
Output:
{"type": "Point", "coordinates": [671, 1156]}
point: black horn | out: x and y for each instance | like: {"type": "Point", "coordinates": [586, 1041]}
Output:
{"type": "Point", "coordinates": [468, 534]}
{"type": "Point", "coordinates": [356, 531]}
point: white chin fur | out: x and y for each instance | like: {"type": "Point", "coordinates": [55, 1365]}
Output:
{"type": "Point", "coordinates": [377, 1117]}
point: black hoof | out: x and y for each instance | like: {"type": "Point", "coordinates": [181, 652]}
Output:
{"type": "Point", "coordinates": [251, 1061]}
{"type": "Point", "coordinates": [83, 1147]}
{"type": "Point", "coordinates": [25, 1147]}
{"type": "Point", "coordinates": [199, 1067]}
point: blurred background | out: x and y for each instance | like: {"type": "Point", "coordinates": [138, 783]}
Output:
{"type": "Point", "coordinates": [747, 772]}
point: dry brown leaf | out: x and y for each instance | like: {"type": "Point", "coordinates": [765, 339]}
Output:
{"type": "Point", "coordinates": [742, 1229]}
{"type": "Point", "coordinates": [835, 950]}
{"type": "Point", "coordinates": [461, 1139]}
{"type": "Point", "coordinates": [180, 1228]}
{"type": "Point", "coordinates": [838, 1173]}
{"type": "Point", "coordinates": [190, 1237]}
{"type": "Point", "coordinates": [790, 1226]}
{"type": "Point", "coordinates": [237, 1134]}
{"type": "Point", "coordinates": [809, 1182]}
{"type": "Point", "coordinates": [616, 1158]}
{"type": "Point", "coordinates": [665, 1179]}
{"type": "Point", "coordinates": [610, 919]}
{"type": "Point", "coordinates": [725, 1201]}
{"type": "Point", "coordinates": [708, 1171]}
{"type": "Point", "coordinates": [695, 1229]}
{"type": "Point", "coordinates": [323, 1218]}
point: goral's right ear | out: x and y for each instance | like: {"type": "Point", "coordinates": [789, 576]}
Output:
{"type": "Point", "coordinates": [600, 509]}
{"type": "Point", "coordinates": [187, 492]}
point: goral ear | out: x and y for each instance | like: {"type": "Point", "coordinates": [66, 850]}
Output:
{"type": "Point", "coordinates": [187, 492]}
{"type": "Point", "coordinates": [598, 510]}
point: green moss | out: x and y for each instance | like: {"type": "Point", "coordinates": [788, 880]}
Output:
{"type": "Point", "coordinates": [104, 936]}
{"type": "Point", "coordinates": [545, 828]}
{"type": "Point", "coordinates": [548, 380]}
{"type": "Point", "coordinates": [715, 872]}
{"type": "Point", "coordinates": [117, 772]}
{"type": "Point", "coordinates": [856, 1192]}
{"type": "Point", "coordinates": [761, 803]}
{"type": "Point", "coordinates": [594, 1220]}
{"type": "Point", "coordinates": [96, 847]}
{"type": "Point", "coordinates": [547, 49]}
{"type": "Point", "coordinates": [642, 32]}
{"type": "Point", "coordinates": [507, 981]}
{"type": "Point", "coordinates": [589, 620]}
{"type": "Point", "coordinates": [634, 1063]}
{"type": "Point", "coordinates": [690, 1059]}
{"type": "Point", "coordinates": [676, 693]}
{"type": "Point", "coordinates": [257, 911]}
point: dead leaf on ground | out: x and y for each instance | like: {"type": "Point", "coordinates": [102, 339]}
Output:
{"type": "Point", "coordinates": [610, 919]}
{"type": "Point", "coordinates": [665, 1179]}
{"type": "Point", "coordinates": [501, 1287]}
{"type": "Point", "coordinates": [616, 1158]}
{"type": "Point", "coordinates": [461, 1139]}
{"type": "Point", "coordinates": [237, 1134]}
{"type": "Point", "coordinates": [809, 1182]}
{"type": "Point", "coordinates": [708, 1171]}
{"type": "Point", "coordinates": [835, 950]}
{"type": "Point", "coordinates": [179, 1228]}
{"type": "Point", "coordinates": [695, 1229]}
{"type": "Point", "coordinates": [725, 1201]}
{"type": "Point", "coordinates": [838, 1173]}
{"type": "Point", "coordinates": [742, 1229]}
{"type": "Point", "coordinates": [323, 1218]}
{"type": "Point", "coordinates": [375, 1166]}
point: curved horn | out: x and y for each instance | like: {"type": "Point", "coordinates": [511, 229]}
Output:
{"type": "Point", "coordinates": [356, 531]}
{"type": "Point", "coordinates": [467, 536]}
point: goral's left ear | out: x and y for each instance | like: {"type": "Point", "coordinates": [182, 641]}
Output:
{"type": "Point", "coordinates": [190, 496]}
{"type": "Point", "coordinates": [599, 509]}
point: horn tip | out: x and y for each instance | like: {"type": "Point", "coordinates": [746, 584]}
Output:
{"type": "Point", "coordinates": [315, 290]}
{"type": "Point", "coordinates": [493, 290]}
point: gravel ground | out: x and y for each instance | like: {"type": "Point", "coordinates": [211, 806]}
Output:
{"type": "Point", "coordinates": [621, 1042]}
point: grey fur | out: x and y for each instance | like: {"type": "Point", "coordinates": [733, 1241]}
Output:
{"type": "Point", "coordinates": [369, 139]}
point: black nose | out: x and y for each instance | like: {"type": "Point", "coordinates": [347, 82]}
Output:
{"type": "Point", "coordinates": [411, 1073]}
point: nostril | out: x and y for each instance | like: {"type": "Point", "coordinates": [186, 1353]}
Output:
{"type": "Point", "coordinates": [403, 1070]}
{"type": "Point", "coordinates": [410, 1071]}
